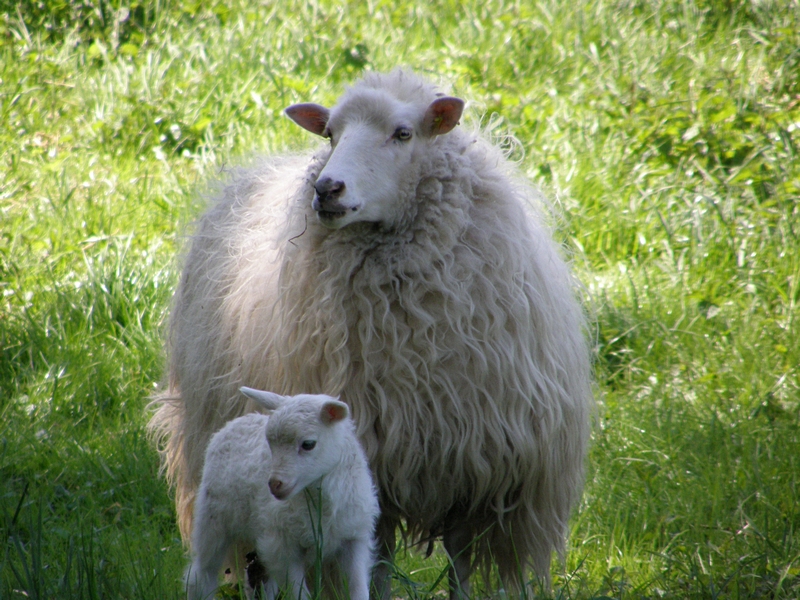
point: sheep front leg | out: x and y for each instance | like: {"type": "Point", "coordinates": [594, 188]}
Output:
{"type": "Point", "coordinates": [355, 561]}
{"type": "Point", "coordinates": [385, 532]}
{"type": "Point", "coordinates": [289, 576]}
{"type": "Point", "coordinates": [457, 542]}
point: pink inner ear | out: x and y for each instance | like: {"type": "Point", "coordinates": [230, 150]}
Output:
{"type": "Point", "coordinates": [442, 115]}
{"type": "Point", "coordinates": [312, 117]}
{"type": "Point", "coordinates": [333, 412]}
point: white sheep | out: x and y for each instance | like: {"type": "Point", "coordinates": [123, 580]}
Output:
{"type": "Point", "coordinates": [406, 268]}
{"type": "Point", "coordinates": [296, 486]}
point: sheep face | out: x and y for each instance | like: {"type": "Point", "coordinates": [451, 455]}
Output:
{"type": "Point", "coordinates": [375, 144]}
{"type": "Point", "coordinates": [305, 443]}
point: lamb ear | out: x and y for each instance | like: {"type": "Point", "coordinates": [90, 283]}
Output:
{"type": "Point", "coordinates": [333, 411]}
{"type": "Point", "coordinates": [268, 400]}
{"type": "Point", "coordinates": [442, 115]}
{"type": "Point", "coordinates": [309, 116]}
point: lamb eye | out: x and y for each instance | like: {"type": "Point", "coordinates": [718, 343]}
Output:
{"type": "Point", "coordinates": [402, 133]}
{"type": "Point", "coordinates": [308, 445]}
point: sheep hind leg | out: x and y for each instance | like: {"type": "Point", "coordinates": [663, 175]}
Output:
{"type": "Point", "coordinates": [457, 542]}
{"type": "Point", "coordinates": [386, 535]}
{"type": "Point", "coordinates": [211, 544]}
{"type": "Point", "coordinates": [201, 576]}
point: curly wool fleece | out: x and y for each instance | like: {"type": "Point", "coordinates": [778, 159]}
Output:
{"type": "Point", "coordinates": [453, 333]}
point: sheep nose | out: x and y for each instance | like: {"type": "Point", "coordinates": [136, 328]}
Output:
{"type": "Point", "coordinates": [328, 189]}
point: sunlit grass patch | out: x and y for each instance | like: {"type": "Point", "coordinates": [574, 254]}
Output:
{"type": "Point", "coordinates": [667, 134]}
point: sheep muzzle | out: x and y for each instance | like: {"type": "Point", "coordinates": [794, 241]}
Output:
{"type": "Point", "coordinates": [278, 489]}
{"type": "Point", "coordinates": [326, 200]}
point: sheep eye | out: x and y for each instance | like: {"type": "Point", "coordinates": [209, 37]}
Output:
{"type": "Point", "coordinates": [402, 133]}
{"type": "Point", "coordinates": [308, 445]}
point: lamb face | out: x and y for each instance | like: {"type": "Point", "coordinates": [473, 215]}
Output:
{"type": "Point", "coordinates": [305, 444]}
{"type": "Point", "coordinates": [376, 144]}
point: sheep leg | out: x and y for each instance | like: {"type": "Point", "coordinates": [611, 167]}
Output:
{"type": "Point", "coordinates": [457, 541]}
{"type": "Point", "coordinates": [355, 562]}
{"type": "Point", "coordinates": [272, 590]}
{"type": "Point", "coordinates": [201, 581]}
{"type": "Point", "coordinates": [387, 542]}
{"type": "Point", "coordinates": [201, 576]}
{"type": "Point", "coordinates": [291, 577]}
{"type": "Point", "coordinates": [211, 544]}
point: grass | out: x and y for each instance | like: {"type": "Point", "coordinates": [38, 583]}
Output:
{"type": "Point", "coordinates": [667, 134]}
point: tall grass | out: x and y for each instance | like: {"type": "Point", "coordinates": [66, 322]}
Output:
{"type": "Point", "coordinates": [667, 134]}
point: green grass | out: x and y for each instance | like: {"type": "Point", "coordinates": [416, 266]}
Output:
{"type": "Point", "coordinates": [667, 134]}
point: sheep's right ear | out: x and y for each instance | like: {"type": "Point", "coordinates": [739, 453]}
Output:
{"type": "Point", "coordinates": [309, 116]}
{"type": "Point", "coordinates": [442, 115]}
{"type": "Point", "coordinates": [333, 411]}
{"type": "Point", "coordinates": [268, 400]}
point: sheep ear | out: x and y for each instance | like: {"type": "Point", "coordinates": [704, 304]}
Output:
{"type": "Point", "coordinates": [442, 115]}
{"type": "Point", "coordinates": [333, 411]}
{"type": "Point", "coordinates": [268, 400]}
{"type": "Point", "coordinates": [312, 117]}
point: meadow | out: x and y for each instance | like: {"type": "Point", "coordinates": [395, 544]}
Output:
{"type": "Point", "coordinates": [666, 134]}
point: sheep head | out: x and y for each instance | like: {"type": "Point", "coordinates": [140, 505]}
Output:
{"type": "Point", "coordinates": [376, 144]}
{"type": "Point", "coordinates": [303, 438]}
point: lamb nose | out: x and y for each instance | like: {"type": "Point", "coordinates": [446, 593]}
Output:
{"type": "Point", "coordinates": [329, 189]}
{"type": "Point", "coordinates": [275, 486]}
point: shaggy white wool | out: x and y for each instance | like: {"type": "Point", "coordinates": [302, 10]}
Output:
{"type": "Point", "coordinates": [453, 334]}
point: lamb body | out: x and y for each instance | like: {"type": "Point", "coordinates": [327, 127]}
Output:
{"type": "Point", "coordinates": [408, 269]}
{"type": "Point", "coordinates": [296, 486]}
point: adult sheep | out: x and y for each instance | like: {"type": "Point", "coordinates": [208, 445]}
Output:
{"type": "Point", "coordinates": [406, 269]}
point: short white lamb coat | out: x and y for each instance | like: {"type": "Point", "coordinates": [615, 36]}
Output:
{"type": "Point", "coordinates": [235, 505]}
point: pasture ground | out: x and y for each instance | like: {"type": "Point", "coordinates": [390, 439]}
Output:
{"type": "Point", "coordinates": [667, 134]}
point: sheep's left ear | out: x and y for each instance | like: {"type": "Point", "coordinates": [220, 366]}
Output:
{"type": "Point", "coordinates": [312, 117]}
{"type": "Point", "coordinates": [268, 400]}
{"type": "Point", "coordinates": [442, 115]}
{"type": "Point", "coordinates": [333, 411]}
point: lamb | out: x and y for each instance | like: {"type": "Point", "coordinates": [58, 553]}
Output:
{"type": "Point", "coordinates": [296, 485]}
{"type": "Point", "coordinates": [407, 268]}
